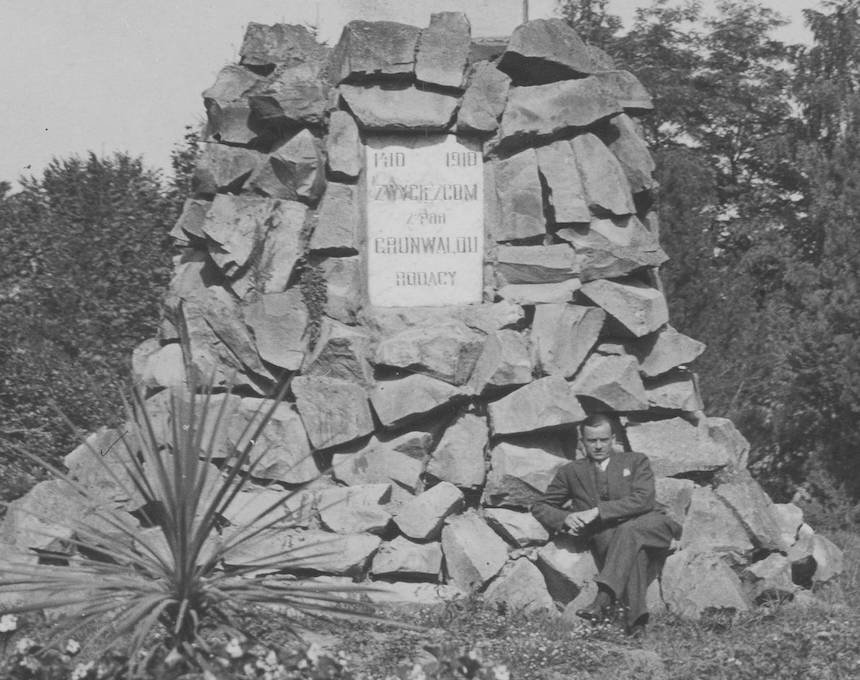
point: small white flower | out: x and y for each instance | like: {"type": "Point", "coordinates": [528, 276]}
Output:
{"type": "Point", "coordinates": [23, 645]}
{"type": "Point", "coordinates": [501, 673]}
{"type": "Point", "coordinates": [8, 623]}
{"type": "Point", "coordinates": [81, 670]}
{"type": "Point", "coordinates": [417, 673]}
{"type": "Point", "coordinates": [271, 660]}
{"type": "Point", "coordinates": [313, 653]}
{"type": "Point", "coordinates": [73, 647]}
{"type": "Point", "coordinates": [234, 648]}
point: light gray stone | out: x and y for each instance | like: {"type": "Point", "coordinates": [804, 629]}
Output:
{"type": "Point", "coordinates": [190, 222]}
{"type": "Point", "coordinates": [374, 48]}
{"type": "Point", "coordinates": [607, 190]}
{"type": "Point", "coordinates": [474, 553]}
{"type": "Point", "coordinates": [225, 168]}
{"type": "Point", "coordinates": [404, 400]}
{"type": "Point", "coordinates": [622, 138]}
{"type": "Point", "coordinates": [484, 100]}
{"type": "Point", "coordinates": [294, 95]}
{"type": "Point", "coordinates": [288, 44]}
{"type": "Point", "coordinates": [638, 309]}
{"type": "Point", "coordinates": [356, 509]}
{"type": "Point", "coordinates": [282, 250]}
{"type": "Point", "coordinates": [695, 583]}
{"type": "Point", "coordinates": [535, 264]}
{"type": "Point", "coordinates": [447, 351]}
{"type": "Point", "coordinates": [541, 405]}
{"type": "Point", "coordinates": [555, 109]}
{"type": "Point", "coordinates": [414, 593]}
{"type": "Point", "coordinates": [227, 107]}
{"type": "Point", "coordinates": [504, 361]}
{"type": "Point", "coordinates": [771, 578]}
{"type": "Point", "coordinates": [612, 381]}
{"type": "Point", "coordinates": [626, 89]}
{"type": "Point", "coordinates": [281, 450]}
{"type": "Point", "coordinates": [321, 551]}
{"type": "Point", "coordinates": [755, 510]}
{"type": "Point", "coordinates": [789, 518]}
{"type": "Point", "coordinates": [568, 567]}
{"type": "Point", "coordinates": [521, 588]}
{"type": "Point", "coordinates": [101, 466]}
{"type": "Point", "coordinates": [340, 352]}
{"type": "Point", "coordinates": [829, 559]}
{"type": "Point", "coordinates": [674, 391]}
{"type": "Point", "coordinates": [541, 293]}
{"type": "Point", "coordinates": [333, 411]}
{"type": "Point", "coordinates": [338, 221]}
{"type": "Point", "coordinates": [520, 198]}
{"type": "Point", "coordinates": [519, 528]}
{"type": "Point", "coordinates": [563, 335]}
{"type": "Point", "coordinates": [279, 323]}
{"type": "Point", "coordinates": [459, 456]}
{"type": "Point", "coordinates": [544, 51]}
{"type": "Point", "coordinates": [398, 461]}
{"type": "Point", "coordinates": [399, 108]}
{"type": "Point", "coordinates": [47, 512]}
{"type": "Point", "coordinates": [402, 557]}
{"type": "Point", "coordinates": [343, 146]}
{"type": "Point", "coordinates": [676, 447]}
{"type": "Point", "coordinates": [165, 367]}
{"type": "Point", "coordinates": [422, 517]}
{"type": "Point", "coordinates": [343, 281]}
{"type": "Point", "coordinates": [443, 50]}
{"type": "Point", "coordinates": [675, 496]}
{"type": "Point", "coordinates": [486, 318]}
{"type": "Point", "coordinates": [567, 197]}
{"type": "Point", "coordinates": [661, 352]}
{"type": "Point", "coordinates": [521, 472]}
{"type": "Point", "coordinates": [712, 526]}
{"type": "Point", "coordinates": [725, 434]}
{"type": "Point", "coordinates": [294, 171]}
{"type": "Point", "coordinates": [251, 508]}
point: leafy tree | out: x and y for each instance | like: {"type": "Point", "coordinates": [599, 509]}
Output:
{"type": "Point", "coordinates": [592, 21]}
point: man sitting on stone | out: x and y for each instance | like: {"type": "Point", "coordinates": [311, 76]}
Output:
{"type": "Point", "coordinates": [612, 505]}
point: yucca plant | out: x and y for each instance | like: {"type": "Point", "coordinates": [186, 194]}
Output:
{"type": "Point", "coordinates": [136, 582]}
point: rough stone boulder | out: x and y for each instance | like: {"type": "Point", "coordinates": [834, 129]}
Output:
{"type": "Point", "coordinates": [638, 309]}
{"type": "Point", "coordinates": [44, 515]}
{"type": "Point", "coordinates": [557, 165]}
{"type": "Point", "coordinates": [541, 293]}
{"type": "Point", "coordinates": [443, 50]}
{"type": "Point", "coordinates": [674, 391]}
{"type": "Point", "coordinates": [474, 553]}
{"type": "Point", "coordinates": [286, 44]}
{"type": "Point", "coordinates": [222, 167]}
{"type": "Point", "coordinates": [311, 550]}
{"type": "Point", "coordinates": [536, 264]}
{"type": "Point", "coordinates": [563, 335]}
{"type": "Point", "coordinates": [520, 472]}
{"type": "Point", "coordinates": [755, 510]}
{"type": "Point", "coordinates": [544, 51]}
{"type": "Point", "coordinates": [521, 588]}
{"type": "Point", "coordinates": [675, 496]}
{"type": "Point", "coordinates": [613, 382]}
{"type": "Point", "coordinates": [281, 451]}
{"type": "Point", "coordinates": [789, 518]}
{"type": "Point", "coordinates": [660, 352]}
{"type": "Point", "coordinates": [632, 152]}
{"type": "Point", "coordinates": [676, 447]}
{"type": "Point", "coordinates": [163, 367]}
{"type": "Point", "coordinates": [342, 276]}
{"type": "Point", "coordinates": [374, 48]}
{"type": "Point", "coordinates": [770, 578]}
{"type": "Point", "coordinates": [343, 146]}
{"type": "Point", "coordinates": [607, 190]}
{"type": "Point", "coordinates": [248, 507]}
{"type": "Point", "coordinates": [293, 95]}
{"type": "Point", "coordinates": [521, 529]}
{"type": "Point", "coordinates": [816, 556]}
{"type": "Point", "coordinates": [333, 411]}
{"type": "Point", "coordinates": [101, 467]}
{"type": "Point", "coordinates": [484, 100]}
{"type": "Point", "coordinates": [520, 198]}
{"type": "Point", "coordinates": [697, 583]}
{"type": "Point", "coordinates": [340, 352]}
{"type": "Point", "coordinates": [401, 401]}
{"type": "Point", "coordinates": [447, 351]}
{"type": "Point", "coordinates": [338, 224]}
{"type": "Point", "coordinates": [711, 525]}
{"type": "Point", "coordinates": [226, 103]}
{"type": "Point", "coordinates": [399, 461]}
{"type": "Point", "coordinates": [402, 557]}
{"type": "Point", "coordinates": [459, 456]}
{"type": "Point", "coordinates": [545, 111]}
{"type": "Point", "coordinates": [568, 567]}
{"type": "Point", "coordinates": [190, 222]}
{"type": "Point", "coordinates": [399, 108]}
{"type": "Point", "coordinates": [504, 362]}
{"type": "Point", "coordinates": [279, 323]}
{"type": "Point", "coordinates": [294, 171]}
{"type": "Point", "coordinates": [356, 509]}
{"type": "Point", "coordinates": [626, 89]}
{"type": "Point", "coordinates": [544, 404]}
{"type": "Point", "coordinates": [723, 432]}
{"type": "Point", "coordinates": [422, 517]}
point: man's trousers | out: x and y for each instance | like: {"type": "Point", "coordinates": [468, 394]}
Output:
{"type": "Point", "coordinates": [620, 552]}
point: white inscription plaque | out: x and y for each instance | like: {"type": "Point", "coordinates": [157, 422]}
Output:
{"type": "Point", "coordinates": [425, 221]}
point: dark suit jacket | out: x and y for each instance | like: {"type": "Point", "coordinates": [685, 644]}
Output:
{"type": "Point", "coordinates": [631, 491]}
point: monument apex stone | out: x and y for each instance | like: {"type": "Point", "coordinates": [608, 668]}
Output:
{"type": "Point", "coordinates": [443, 50]}
{"type": "Point", "coordinates": [544, 51]}
{"type": "Point", "coordinates": [374, 48]}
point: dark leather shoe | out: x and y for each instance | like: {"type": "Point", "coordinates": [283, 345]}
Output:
{"type": "Point", "coordinates": [598, 610]}
{"type": "Point", "coordinates": [636, 631]}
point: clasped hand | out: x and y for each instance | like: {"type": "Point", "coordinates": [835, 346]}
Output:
{"type": "Point", "coordinates": [576, 522]}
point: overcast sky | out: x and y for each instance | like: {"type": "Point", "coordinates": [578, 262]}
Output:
{"type": "Point", "coordinates": [126, 75]}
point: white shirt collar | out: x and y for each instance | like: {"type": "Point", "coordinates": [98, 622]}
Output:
{"type": "Point", "coordinates": [602, 465]}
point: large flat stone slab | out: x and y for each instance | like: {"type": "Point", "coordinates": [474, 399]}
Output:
{"type": "Point", "coordinates": [567, 566]}
{"type": "Point", "coordinates": [541, 405]}
{"type": "Point", "coordinates": [607, 190]}
{"type": "Point", "coordinates": [544, 51]}
{"type": "Point", "coordinates": [695, 583]}
{"type": "Point", "coordinates": [443, 50]}
{"type": "Point", "coordinates": [711, 525]}
{"type": "Point", "coordinates": [294, 95]}
{"type": "Point", "coordinates": [459, 456]}
{"type": "Point", "coordinates": [520, 198]}
{"type": "Point", "coordinates": [622, 138]}
{"type": "Point", "coordinates": [661, 352]}
{"type": "Point", "coordinates": [399, 108]}
{"type": "Point", "coordinates": [287, 44]}
{"type": "Point", "coordinates": [223, 168]}
{"type": "Point", "coordinates": [535, 264]}
{"type": "Point", "coordinates": [567, 197]}
{"type": "Point", "coordinates": [408, 559]}
{"type": "Point", "coordinates": [338, 225]}
{"type": "Point", "coordinates": [755, 510]}
{"type": "Point", "coordinates": [504, 361]}
{"type": "Point", "coordinates": [356, 509]}
{"type": "Point", "coordinates": [638, 309]}
{"type": "Point", "coordinates": [279, 322]}
{"type": "Point", "coordinates": [343, 146]}
{"type": "Point", "coordinates": [484, 100]}
{"type": "Point", "coordinates": [474, 553]}
{"type": "Point", "coordinates": [342, 277]}
{"type": "Point", "coordinates": [676, 447]}
{"type": "Point", "coordinates": [520, 588]}
{"type": "Point", "coordinates": [521, 472]}
{"type": "Point", "coordinates": [422, 517]}
{"type": "Point", "coordinates": [401, 401]}
{"type": "Point", "coordinates": [541, 293]}
{"type": "Point", "coordinates": [563, 335]}
{"type": "Point", "coordinates": [521, 529]}
{"type": "Point", "coordinates": [333, 411]}
{"type": "Point", "coordinates": [374, 48]}
{"type": "Point", "coordinates": [674, 391]}
{"type": "Point", "coordinates": [341, 352]}
{"type": "Point", "coordinates": [613, 382]}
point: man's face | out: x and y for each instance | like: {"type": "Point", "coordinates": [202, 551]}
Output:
{"type": "Point", "coordinates": [598, 441]}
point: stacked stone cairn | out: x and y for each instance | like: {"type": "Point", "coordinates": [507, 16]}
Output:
{"type": "Point", "coordinates": [437, 427]}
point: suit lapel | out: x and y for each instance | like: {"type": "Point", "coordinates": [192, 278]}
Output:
{"type": "Point", "coordinates": [585, 473]}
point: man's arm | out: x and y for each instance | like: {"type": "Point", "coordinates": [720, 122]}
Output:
{"type": "Point", "coordinates": [641, 498]}
{"type": "Point", "coordinates": [548, 510]}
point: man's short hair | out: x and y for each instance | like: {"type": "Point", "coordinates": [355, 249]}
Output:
{"type": "Point", "coordinates": [598, 419]}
